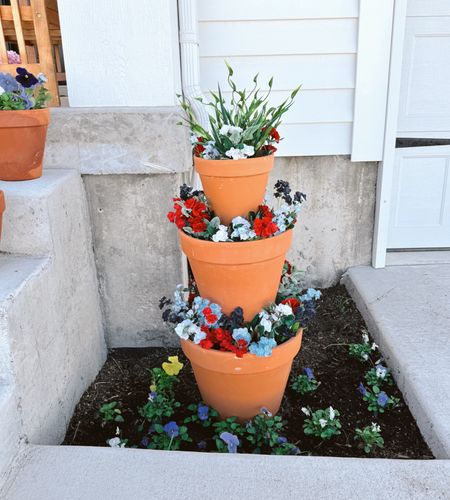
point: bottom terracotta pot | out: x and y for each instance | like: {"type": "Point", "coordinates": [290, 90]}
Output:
{"type": "Point", "coordinates": [242, 386]}
{"type": "Point", "coordinates": [2, 209]}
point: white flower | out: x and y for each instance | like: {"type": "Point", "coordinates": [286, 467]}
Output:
{"type": "Point", "coordinates": [199, 336]}
{"type": "Point", "coordinates": [2, 90]}
{"type": "Point", "coordinates": [210, 152]}
{"type": "Point", "coordinates": [374, 346]}
{"type": "Point", "coordinates": [375, 427]}
{"type": "Point", "coordinates": [221, 234]}
{"type": "Point", "coordinates": [240, 154]}
{"type": "Point", "coordinates": [364, 356]}
{"type": "Point", "coordinates": [381, 371]}
{"type": "Point", "coordinates": [332, 413]}
{"type": "Point", "coordinates": [322, 422]}
{"type": "Point", "coordinates": [265, 321]}
{"type": "Point", "coordinates": [182, 329]}
{"type": "Point", "coordinates": [116, 442]}
{"type": "Point", "coordinates": [284, 309]}
{"type": "Point", "coordinates": [365, 338]}
{"type": "Point", "coordinates": [193, 139]}
{"type": "Point", "coordinates": [306, 411]}
{"type": "Point", "coordinates": [233, 133]}
{"type": "Point", "coordinates": [243, 231]}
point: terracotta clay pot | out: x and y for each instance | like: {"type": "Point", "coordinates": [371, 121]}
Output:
{"type": "Point", "coordinates": [242, 386]}
{"type": "Point", "coordinates": [22, 143]}
{"type": "Point", "coordinates": [2, 209]}
{"type": "Point", "coordinates": [234, 187]}
{"type": "Point", "coordinates": [245, 274]}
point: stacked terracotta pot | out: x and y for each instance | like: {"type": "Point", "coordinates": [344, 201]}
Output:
{"type": "Point", "coordinates": [244, 274]}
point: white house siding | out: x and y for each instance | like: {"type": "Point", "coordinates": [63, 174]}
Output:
{"type": "Point", "coordinates": [297, 42]}
{"type": "Point", "coordinates": [121, 53]}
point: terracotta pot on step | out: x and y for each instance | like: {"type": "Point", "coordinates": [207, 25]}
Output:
{"type": "Point", "coordinates": [245, 274]}
{"type": "Point", "coordinates": [234, 187]}
{"type": "Point", "coordinates": [2, 209]}
{"type": "Point", "coordinates": [242, 386]}
{"type": "Point", "coordinates": [22, 143]}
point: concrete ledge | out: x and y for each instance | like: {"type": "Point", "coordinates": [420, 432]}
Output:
{"type": "Point", "coordinates": [118, 140]}
{"type": "Point", "coordinates": [407, 310]}
{"type": "Point", "coordinates": [80, 473]}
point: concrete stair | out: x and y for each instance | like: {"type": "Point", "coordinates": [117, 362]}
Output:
{"type": "Point", "coordinates": [84, 473]}
{"type": "Point", "coordinates": [51, 334]}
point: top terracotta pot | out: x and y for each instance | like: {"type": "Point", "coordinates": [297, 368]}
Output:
{"type": "Point", "coordinates": [234, 187]}
{"type": "Point", "coordinates": [22, 143]}
{"type": "Point", "coordinates": [2, 209]}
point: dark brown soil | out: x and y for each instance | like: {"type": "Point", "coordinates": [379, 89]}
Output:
{"type": "Point", "coordinates": [124, 378]}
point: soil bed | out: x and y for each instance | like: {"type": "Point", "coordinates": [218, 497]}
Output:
{"type": "Point", "coordinates": [125, 378]}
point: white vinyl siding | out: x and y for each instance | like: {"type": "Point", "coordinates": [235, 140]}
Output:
{"type": "Point", "coordinates": [297, 42]}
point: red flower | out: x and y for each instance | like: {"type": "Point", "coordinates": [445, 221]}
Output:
{"type": "Point", "coordinates": [268, 147]}
{"type": "Point", "coordinates": [275, 135]}
{"type": "Point", "coordinates": [210, 318]}
{"type": "Point", "coordinates": [265, 227]}
{"type": "Point", "coordinates": [292, 301]}
{"type": "Point", "coordinates": [198, 226]}
{"type": "Point", "coordinates": [199, 148]}
{"type": "Point", "coordinates": [206, 344]}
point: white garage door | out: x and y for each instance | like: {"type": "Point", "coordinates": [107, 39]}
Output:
{"type": "Point", "coordinates": [420, 213]}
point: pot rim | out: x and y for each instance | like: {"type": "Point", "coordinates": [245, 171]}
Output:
{"type": "Point", "coordinates": [236, 252]}
{"type": "Point", "coordinates": [21, 118]}
{"type": "Point", "coordinates": [247, 167]}
{"type": "Point", "coordinates": [228, 362]}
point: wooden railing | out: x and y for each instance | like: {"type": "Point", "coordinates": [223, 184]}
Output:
{"type": "Point", "coordinates": [33, 26]}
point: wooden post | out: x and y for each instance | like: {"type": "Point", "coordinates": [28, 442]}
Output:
{"type": "Point", "coordinates": [44, 46]}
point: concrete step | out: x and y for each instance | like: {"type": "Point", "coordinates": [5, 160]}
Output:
{"type": "Point", "coordinates": [407, 310]}
{"type": "Point", "coordinates": [84, 473]}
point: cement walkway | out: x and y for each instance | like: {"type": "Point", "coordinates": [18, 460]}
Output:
{"type": "Point", "coordinates": [81, 473]}
{"type": "Point", "coordinates": [407, 309]}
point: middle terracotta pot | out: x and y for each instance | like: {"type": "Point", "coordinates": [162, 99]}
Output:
{"type": "Point", "coordinates": [245, 274]}
{"type": "Point", "coordinates": [234, 187]}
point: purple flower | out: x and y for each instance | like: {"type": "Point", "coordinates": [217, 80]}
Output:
{"type": "Point", "coordinates": [362, 389]}
{"type": "Point", "coordinates": [152, 396]}
{"type": "Point", "coordinates": [171, 429]}
{"type": "Point", "coordinates": [203, 412]}
{"type": "Point", "coordinates": [281, 440]}
{"type": "Point", "coordinates": [309, 373]}
{"type": "Point", "coordinates": [201, 445]}
{"type": "Point", "coordinates": [382, 399]}
{"type": "Point", "coordinates": [144, 442]}
{"type": "Point", "coordinates": [25, 78]}
{"type": "Point", "coordinates": [231, 441]}
{"type": "Point", "coordinates": [265, 411]}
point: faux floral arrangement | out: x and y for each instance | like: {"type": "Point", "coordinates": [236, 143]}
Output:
{"type": "Point", "coordinates": [23, 92]}
{"type": "Point", "coordinates": [192, 214]}
{"type": "Point", "coordinates": [243, 128]}
{"type": "Point", "coordinates": [197, 319]}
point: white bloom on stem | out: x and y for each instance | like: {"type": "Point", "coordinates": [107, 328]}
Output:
{"type": "Point", "coordinates": [233, 133]}
{"type": "Point", "coordinates": [42, 78]}
{"type": "Point", "coordinates": [116, 442]}
{"type": "Point", "coordinates": [241, 229]}
{"type": "Point", "coordinates": [284, 310]}
{"type": "Point", "coordinates": [265, 321]}
{"type": "Point", "coordinates": [365, 356]}
{"type": "Point", "coordinates": [374, 346]}
{"type": "Point", "coordinates": [332, 413]}
{"type": "Point", "coordinates": [199, 336]}
{"type": "Point", "coordinates": [183, 329]}
{"type": "Point", "coordinates": [240, 154]}
{"type": "Point", "coordinates": [306, 411]}
{"type": "Point", "coordinates": [365, 338]}
{"type": "Point", "coordinates": [248, 150]}
{"type": "Point", "coordinates": [221, 234]}
{"type": "Point", "coordinates": [2, 90]}
{"type": "Point", "coordinates": [381, 371]}
{"type": "Point", "coordinates": [375, 427]}
{"type": "Point", "coordinates": [210, 152]}
{"type": "Point", "coordinates": [322, 422]}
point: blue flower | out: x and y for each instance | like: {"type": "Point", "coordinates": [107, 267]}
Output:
{"type": "Point", "coordinates": [8, 83]}
{"type": "Point", "coordinates": [294, 451]}
{"type": "Point", "coordinates": [309, 373]}
{"type": "Point", "coordinates": [203, 412]}
{"type": "Point", "coordinates": [311, 294]}
{"type": "Point", "coordinates": [144, 442]}
{"type": "Point", "coordinates": [281, 440]}
{"type": "Point", "coordinates": [382, 399]}
{"type": "Point", "coordinates": [242, 334]}
{"type": "Point", "coordinates": [263, 347]}
{"type": "Point", "coordinates": [362, 389]}
{"type": "Point", "coordinates": [231, 441]}
{"type": "Point", "coordinates": [152, 396]}
{"type": "Point", "coordinates": [171, 429]}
